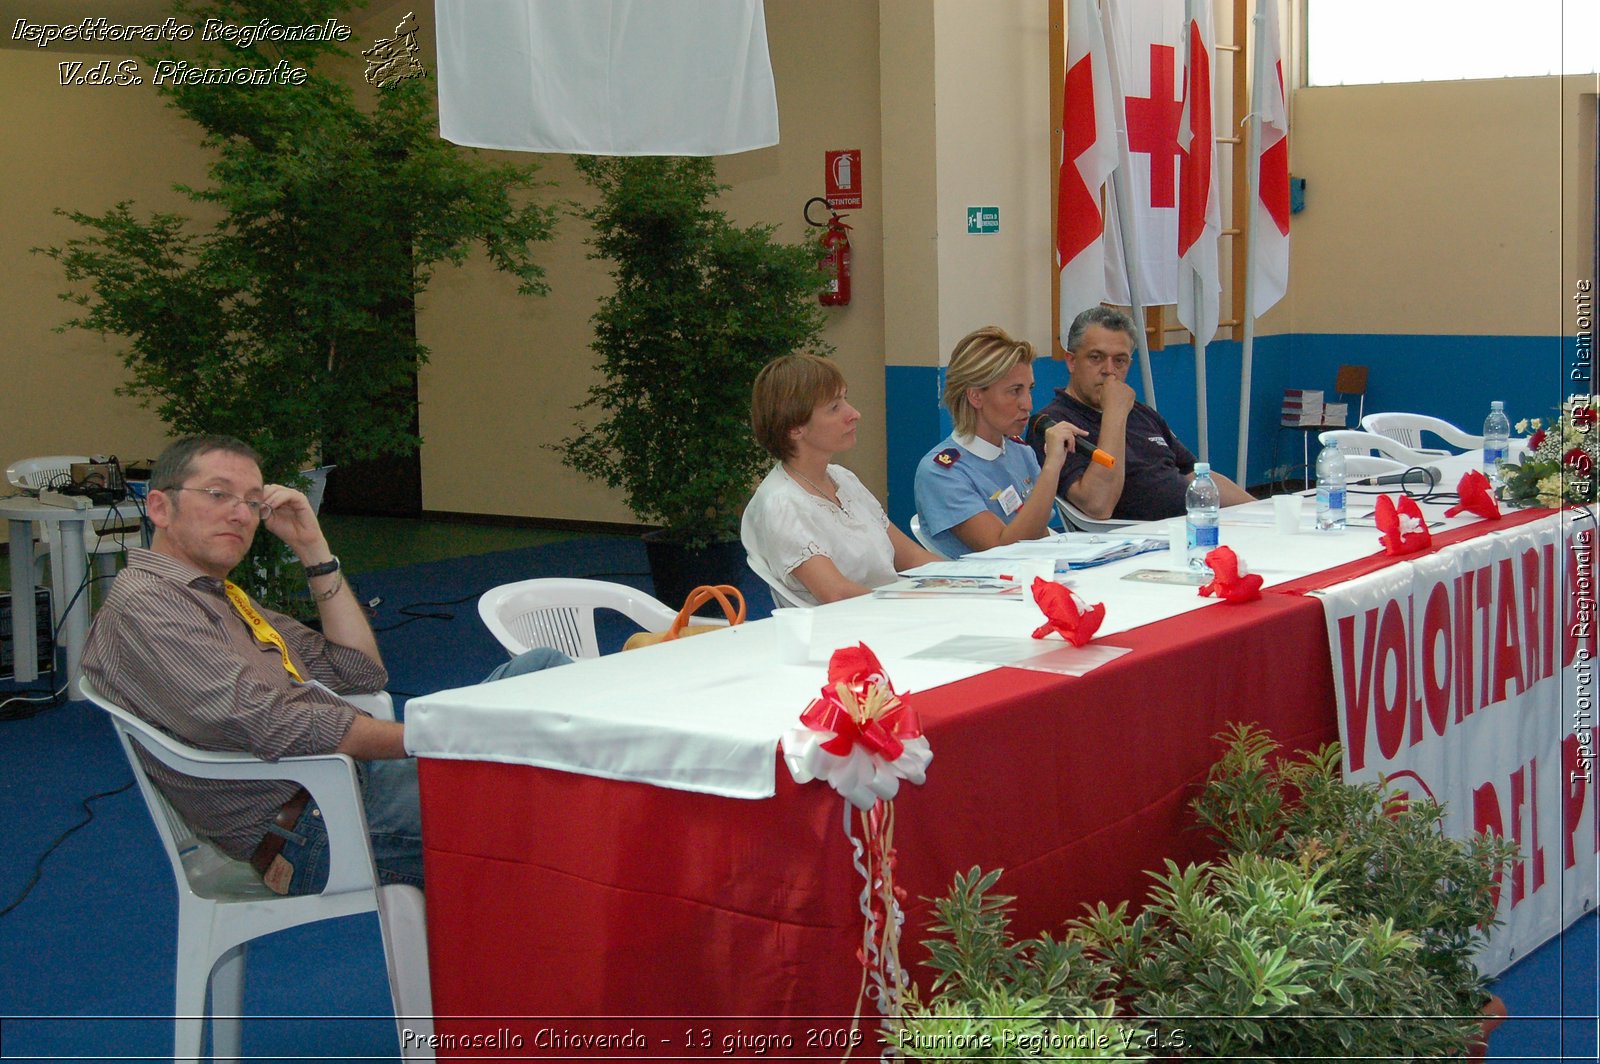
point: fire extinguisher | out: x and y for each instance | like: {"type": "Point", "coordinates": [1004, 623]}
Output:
{"type": "Point", "coordinates": [835, 256]}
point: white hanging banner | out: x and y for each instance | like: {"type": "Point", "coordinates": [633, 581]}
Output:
{"type": "Point", "coordinates": [606, 77]}
{"type": "Point", "coordinates": [1469, 676]}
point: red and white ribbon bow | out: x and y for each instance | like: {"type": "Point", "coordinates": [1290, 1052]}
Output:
{"type": "Point", "coordinates": [859, 736]}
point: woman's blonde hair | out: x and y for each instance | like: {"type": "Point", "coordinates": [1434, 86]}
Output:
{"type": "Point", "coordinates": [981, 358]}
{"type": "Point", "coordinates": [786, 392]}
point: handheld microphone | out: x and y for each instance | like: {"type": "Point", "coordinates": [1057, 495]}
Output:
{"type": "Point", "coordinates": [1043, 422]}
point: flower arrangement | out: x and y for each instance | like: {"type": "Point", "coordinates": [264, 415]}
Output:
{"type": "Point", "coordinates": [1560, 464]}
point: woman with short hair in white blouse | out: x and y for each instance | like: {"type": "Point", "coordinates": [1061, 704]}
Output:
{"type": "Point", "coordinates": [812, 530]}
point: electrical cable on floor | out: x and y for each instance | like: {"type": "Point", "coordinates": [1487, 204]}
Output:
{"type": "Point", "coordinates": [38, 866]}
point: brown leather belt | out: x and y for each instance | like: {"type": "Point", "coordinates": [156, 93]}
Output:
{"type": "Point", "coordinates": [272, 843]}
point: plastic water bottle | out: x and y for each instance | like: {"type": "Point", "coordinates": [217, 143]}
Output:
{"type": "Point", "coordinates": [1330, 489]}
{"type": "Point", "coordinates": [1496, 433]}
{"type": "Point", "coordinates": [1203, 503]}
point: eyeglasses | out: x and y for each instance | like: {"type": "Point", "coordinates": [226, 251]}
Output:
{"type": "Point", "coordinates": [1098, 359]}
{"type": "Point", "coordinates": [258, 509]}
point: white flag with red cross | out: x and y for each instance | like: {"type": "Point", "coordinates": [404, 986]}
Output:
{"type": "Point", "coordinates": [1147, 40]}
{"type": "Point", "coordinates": [1269, 214]}
{"type": "Point", "coordinates": [1088, 156]}
{"type": "Point", "coordinates": [1199, 214]}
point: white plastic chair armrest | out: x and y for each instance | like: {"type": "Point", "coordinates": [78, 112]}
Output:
{"type": "Point", "coordinates": [330, 778]}
{"type": "Point", "coordinates": [377, 704]}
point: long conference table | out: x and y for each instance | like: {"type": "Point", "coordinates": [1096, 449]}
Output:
{"type": "Point", "coordinates": [620, 840]}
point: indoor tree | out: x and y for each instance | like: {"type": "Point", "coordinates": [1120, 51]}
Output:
{"type": "Point", "coordinates": [288, 321]}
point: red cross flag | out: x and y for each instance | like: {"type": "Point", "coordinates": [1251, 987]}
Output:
{"type": "Point", "coordinates": [1088, 156]}
{"type": "Point", "coordinates": [1147, 36]}
{"type": "Point", "coordinates": [1199, 215]}
{"type": "Point", "coordinates": [1269, 215]}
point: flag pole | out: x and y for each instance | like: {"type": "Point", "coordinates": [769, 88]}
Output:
{"type": "Point", "coordinates": [1121, 196]}
{"type": "Point", "coordinates": [1197, 296]}
{"type": "Point", "coordinates": [1253, 186]}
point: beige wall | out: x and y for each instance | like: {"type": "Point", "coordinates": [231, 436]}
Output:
{"type": "Point", "coordinates": [992, 101]}
{"type": "Point", "coordinates": [1461, 207]}
{"type": "Point", "coordinates": [85, 148]}
{"type": "Point", "coordinates": [1442, 207]}
{"type": "Point", "coordinates": [507, 371]}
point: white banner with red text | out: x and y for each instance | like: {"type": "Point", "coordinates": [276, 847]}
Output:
{"type": "Point", "coordinates": [1469, 675]}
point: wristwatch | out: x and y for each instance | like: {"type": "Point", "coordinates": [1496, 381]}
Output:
{"type": "Point", "coordinates": [323, 569]}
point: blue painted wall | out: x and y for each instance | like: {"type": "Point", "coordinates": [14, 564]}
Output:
{"type": "Point", "coordinates": [1453, 377]}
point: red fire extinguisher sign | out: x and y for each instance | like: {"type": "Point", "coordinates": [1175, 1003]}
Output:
{"type": "Point", "coordinates": [842, 179]}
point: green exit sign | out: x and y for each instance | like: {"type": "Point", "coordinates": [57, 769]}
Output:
{"type": "Point", "coordinates": [983, 220]}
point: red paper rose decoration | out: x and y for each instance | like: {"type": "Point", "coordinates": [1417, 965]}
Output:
{"type": "Point", "coordinates": [1476, 498]}
{"type": "Point", "coordinates": [1404, 530]}
{"type": "Point", "coordinates": [1226, 583]}
{"type": "Point", "coordinates": [1062, 614]}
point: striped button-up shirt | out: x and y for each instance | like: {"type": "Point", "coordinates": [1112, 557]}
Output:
{"type": "Point", "coordinates": [168, 647]}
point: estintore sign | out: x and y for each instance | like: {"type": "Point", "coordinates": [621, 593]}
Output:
{"type": "Point", "coordinates": [842, 179]}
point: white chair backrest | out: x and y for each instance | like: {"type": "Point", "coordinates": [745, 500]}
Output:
{"type": "Point", "coordinates": [51, 470]}
{"type": "Point", "coordinates": [1359, 467]}
{"type": "Point", "coordinates": [559, 612]}
{"type": "Point", "coordinates": [922, 537]}
{"type": "Point", "coordinates": [1356, 442]}
{"type": "Point", "coordinates": [782, 597]}
{"type": "Point", "coordinates": [1407, 430]}
{"type": "Point", "coordinates": [1075, 518]}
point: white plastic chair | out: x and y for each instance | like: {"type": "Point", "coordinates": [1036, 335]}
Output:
{"type": "Point", "coordinates": [922, 537]}
{"type": "Point", "coordinates": [223, 904]}
{"type": "Point", "coordinates": [1407, 430]}
{"type": "Point", "coordinates": [1357, 442]}
{"type": "Point", "coordinates": [558, 612]}
{"type": "Point", "coordinates": [1075, 518]}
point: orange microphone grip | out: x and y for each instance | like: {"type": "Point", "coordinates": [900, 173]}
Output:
{"type": "Point", "coordinates": [1097, 455]}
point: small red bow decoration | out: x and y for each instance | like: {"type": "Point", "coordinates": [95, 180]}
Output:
{"type": "Point", "coordinates": [1404, 530]}
{"type": "Point", "coordinates": [1476, 497]}
{"type": "Point", "coordinates": [860, 707]}
{"type": "Point", "coordinates": [1226, 583]}
{"type": "Point", "coordinates": [1062, 613]}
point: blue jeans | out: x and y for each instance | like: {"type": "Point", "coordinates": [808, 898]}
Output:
{"type": "Point", "coordinates": [394, 810]}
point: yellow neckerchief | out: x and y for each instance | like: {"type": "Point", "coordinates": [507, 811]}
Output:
{"type": "Point", "coordinates": [259, 626]}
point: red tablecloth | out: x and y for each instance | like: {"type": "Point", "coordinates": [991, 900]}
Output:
{"type": "Point", "coordinates": [552, 894]}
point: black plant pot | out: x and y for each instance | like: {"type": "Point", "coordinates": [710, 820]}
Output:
{"type": "Point", "coordinates": [677, 570]}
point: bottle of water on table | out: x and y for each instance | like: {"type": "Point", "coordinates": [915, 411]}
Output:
{"type": "Point", "coordinates": [1496, 434]}
{"type": "Point", "coordinates": [1330, 489]}
{"type": "Point", "coordinates": [1203, 503]}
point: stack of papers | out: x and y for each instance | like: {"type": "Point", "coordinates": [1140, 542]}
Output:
{"type": "Point", "coordinates": [1067, 550]}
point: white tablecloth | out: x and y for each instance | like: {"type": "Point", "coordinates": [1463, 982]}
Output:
{"type": "Point", "coordinates": [705, 714]}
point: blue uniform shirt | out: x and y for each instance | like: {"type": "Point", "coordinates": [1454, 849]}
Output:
{"type": "Point", "coordinates": [964, 476]}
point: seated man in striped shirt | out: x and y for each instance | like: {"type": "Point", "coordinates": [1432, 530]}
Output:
{"type": "Point", "coordinates": [180, 646]}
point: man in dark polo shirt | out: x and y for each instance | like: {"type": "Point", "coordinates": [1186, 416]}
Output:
{"type": "Point", "coordinates": [1153, 468]}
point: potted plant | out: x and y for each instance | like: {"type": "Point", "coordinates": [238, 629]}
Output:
{"type": "Point", "coordinates": [289, 320]}
{"type": "Point", "coordinates": [700, 305]}
{"type": "Point", "coordinates": [1384, 858]}
{"type": "Point", "coordinates": [995, 998]}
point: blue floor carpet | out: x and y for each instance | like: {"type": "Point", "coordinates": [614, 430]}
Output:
{"type": "Point", "coordinates": [86, 961]}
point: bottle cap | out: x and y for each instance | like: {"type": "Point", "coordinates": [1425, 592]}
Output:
{"type": "Point", "coordinates": [1202, 468]}
{"type": "Point", "coordinates": [1497, 405]}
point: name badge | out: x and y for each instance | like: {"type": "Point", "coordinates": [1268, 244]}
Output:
{"type": "Point", "coordinates": [1010, 502]}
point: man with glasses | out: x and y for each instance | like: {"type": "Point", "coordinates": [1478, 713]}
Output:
{"type": "Point", "coordinates": [1153, 468]}
{"type": "Point", "coordinates": [180, 645]}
